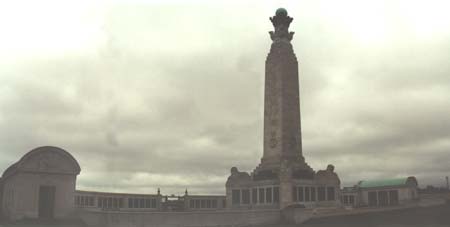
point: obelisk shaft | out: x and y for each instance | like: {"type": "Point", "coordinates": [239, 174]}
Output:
{"type": "Point", "coordinates": [282, 131]}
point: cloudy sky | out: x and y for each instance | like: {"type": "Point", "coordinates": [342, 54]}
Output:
{"type": "Point", "coordinates": [169, 94]}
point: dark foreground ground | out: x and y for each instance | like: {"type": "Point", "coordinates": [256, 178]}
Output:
{"type": "Point", "coordinates": [44, 223]}
{"type": "Point", "coordinates": [437, 216]}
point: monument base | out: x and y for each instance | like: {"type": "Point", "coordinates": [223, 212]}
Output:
{"type": "Point", "coordinates": [287, 185]}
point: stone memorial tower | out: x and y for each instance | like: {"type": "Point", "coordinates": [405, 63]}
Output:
{"type": "Point", "coordinates": [282, 127]}
{"type": "Point", "coordinates": [283, 177]}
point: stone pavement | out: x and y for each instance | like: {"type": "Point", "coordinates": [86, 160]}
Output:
{"type": "Point", "coordinates": [430, 216]}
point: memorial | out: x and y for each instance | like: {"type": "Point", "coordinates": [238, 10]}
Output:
{"type": "Point", "coordinates": [42, 183]}
{"type": "Point", "coordinates": [283, 177]}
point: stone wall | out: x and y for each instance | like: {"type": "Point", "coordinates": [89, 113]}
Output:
{"type": "Point", "coordinates": [405, 194]}
{"type": "Point", "coordinates": [21, 195]}
{"type": "Point", "coordinates": [296, 215]}
{"type": "Point", "coordinates": [179, 219]}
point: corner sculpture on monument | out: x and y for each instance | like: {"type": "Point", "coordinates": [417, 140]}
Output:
{"type": "Point", "coordinates": [283, 178]}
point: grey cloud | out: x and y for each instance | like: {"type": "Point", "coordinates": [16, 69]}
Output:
{"type": "Point", "coordinates": [174, 103]}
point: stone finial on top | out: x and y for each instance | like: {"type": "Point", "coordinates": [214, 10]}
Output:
{"type": "Point", "coordinates": [281, 12]}
{"type": "Point", "coordinates": [281, 22]}
{"type": "Point", "coordinates": [330, 168]}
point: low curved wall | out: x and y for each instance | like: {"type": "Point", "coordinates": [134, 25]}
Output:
{"type": "Point", "coordinates": [179, 219]}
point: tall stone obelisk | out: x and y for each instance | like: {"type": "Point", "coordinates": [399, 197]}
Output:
{"type": "Point", "coordinates": [282, 134]}
{"type": "Point", "coordinates": [283, 177]}
{"type": "Point", "coordinates": [282, 128]}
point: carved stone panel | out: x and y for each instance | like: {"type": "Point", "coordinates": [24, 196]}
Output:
{"type": "Point", "coordinates": [48, 161]}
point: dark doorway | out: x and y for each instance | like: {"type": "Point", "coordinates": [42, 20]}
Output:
{"type": "Point", "coordinates": [373, 199]}
{"type": "Point", "coordinates": [393, 197]}
{"type": "Point", "coordinates": [46, 201]}
{"type": "Point", "coordinates": [383, 199]}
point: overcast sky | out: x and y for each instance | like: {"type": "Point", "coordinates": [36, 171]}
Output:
{"type": "Point", "coordinates": [146, 94]}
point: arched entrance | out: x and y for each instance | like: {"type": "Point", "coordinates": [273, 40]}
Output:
{"type": "Point", "coordinates": [46, 202]}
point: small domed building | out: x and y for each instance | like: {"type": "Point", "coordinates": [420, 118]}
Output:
{"type": "Point", "coordinates": [40, 185]}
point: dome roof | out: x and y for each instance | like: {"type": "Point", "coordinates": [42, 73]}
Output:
{"type": "Point", "coordinates": [281, 12]}
{"type": "Point", "coordinates": [395, 182]}
{"type": "Point", "coordinates": [46, 159]}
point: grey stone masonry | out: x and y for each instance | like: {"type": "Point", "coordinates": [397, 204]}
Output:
{"type": "Point", "coordinates": [283, 178]}
{"type": "Point", "coordinates": [282, 126]}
